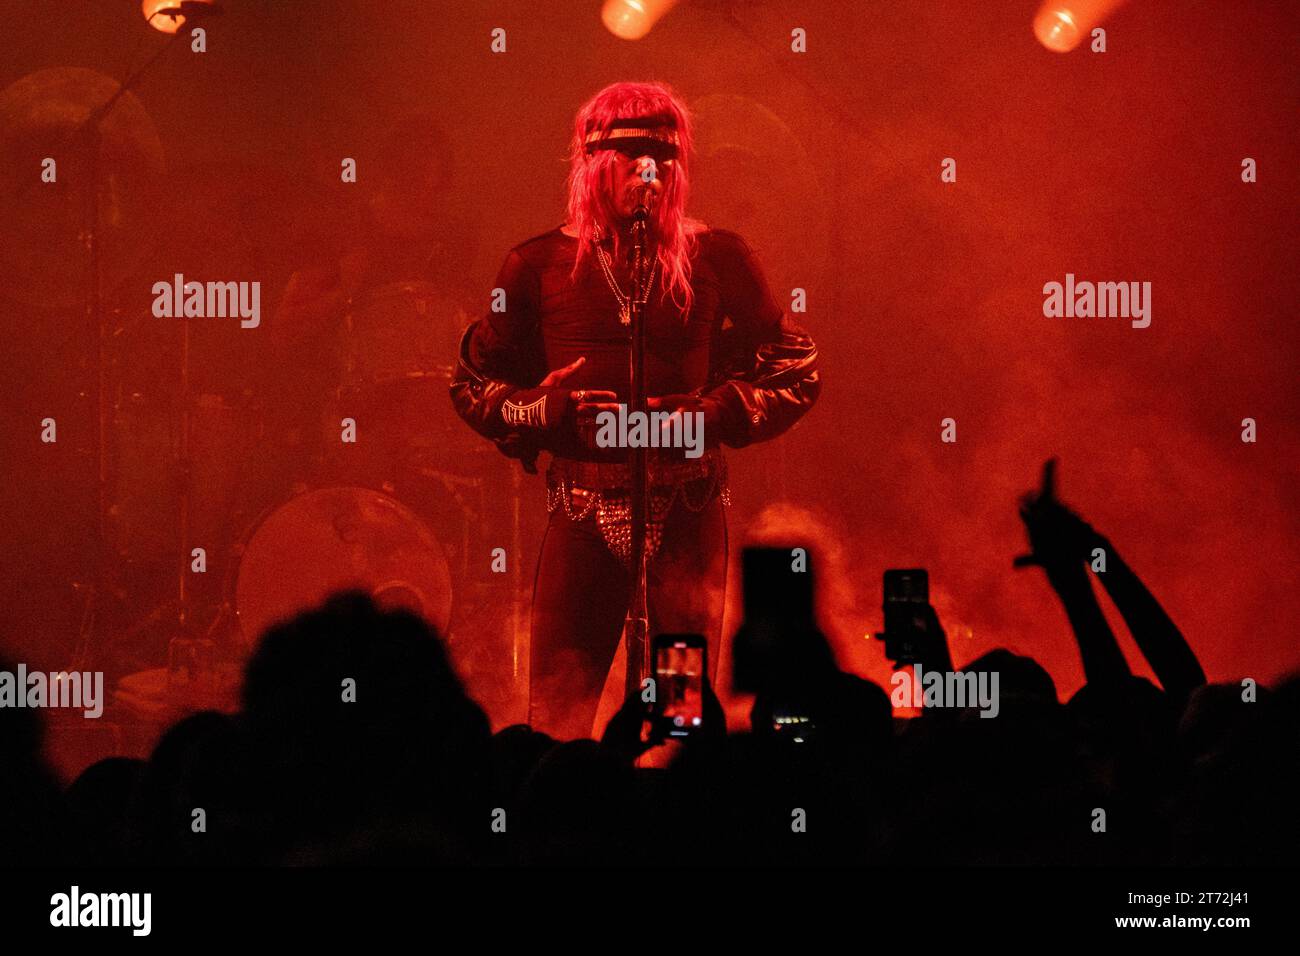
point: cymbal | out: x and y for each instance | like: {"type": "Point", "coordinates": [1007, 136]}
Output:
{"type": "Point", "coordinates": [43, 255]}
{"type": "Point", "coordinates": [224, 221]}
{"type": "Point", "coordinates": [753, 175]}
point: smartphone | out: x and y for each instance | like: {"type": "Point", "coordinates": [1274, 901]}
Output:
{"type": "Point", "coordinates": [778, 591]}
{"type": "Point", "coordinates": [792, 724]}
{"type": "Point", "coordinates": [907, 597]}
{"type": "Point", "coordinates": [907, 586]}
{"type": "Point", "coordinates": [776, 586]}
{"type": "Point", "coordinates": [679, 667]}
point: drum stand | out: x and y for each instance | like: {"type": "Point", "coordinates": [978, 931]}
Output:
{"type": "Point", "coordinates": [88, 136]}
{"type": "Point", "coordinates": [188, 658]}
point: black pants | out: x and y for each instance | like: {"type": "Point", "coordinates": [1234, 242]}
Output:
{"type": "Point", "coordinates": [580, 599]}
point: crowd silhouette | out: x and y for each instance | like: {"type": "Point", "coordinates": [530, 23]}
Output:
{"type": "Point", "coordinates": [407, 770]}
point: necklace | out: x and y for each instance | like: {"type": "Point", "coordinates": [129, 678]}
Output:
{"type": "Point", "coordinates": [624, 302]}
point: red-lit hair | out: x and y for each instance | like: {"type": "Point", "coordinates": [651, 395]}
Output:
{"type": "Point", "coordinates": [591, 177]}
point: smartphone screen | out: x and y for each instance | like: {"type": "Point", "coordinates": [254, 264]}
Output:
{"type": "Point", "coordinates": [679, 678]}
{"type": "Point", "coordinates": [792, 724]}
{"type": "Point", "coordinates": [911, 585]}
{"type": "Point", "coordinates": [907, 595]}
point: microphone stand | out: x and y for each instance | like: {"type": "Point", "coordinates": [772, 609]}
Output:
{"type": "Point", "coordinates": [636, 632]}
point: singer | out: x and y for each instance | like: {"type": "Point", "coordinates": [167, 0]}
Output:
{"type": "Point", "coordinates": [534, 373]}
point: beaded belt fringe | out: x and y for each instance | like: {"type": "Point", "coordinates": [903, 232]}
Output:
{"type": "Point", "coordinates": [583, 487]}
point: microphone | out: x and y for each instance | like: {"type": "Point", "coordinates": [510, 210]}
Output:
{"type": "Point", "coordinates": [645, 196]}
{"type": "Point", "coordinates": [647, 191]}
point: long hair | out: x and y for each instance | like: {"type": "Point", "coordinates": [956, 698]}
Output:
{"type": "Point", "coordinates": [592, 178]}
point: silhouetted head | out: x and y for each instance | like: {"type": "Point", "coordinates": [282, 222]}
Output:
{"type": "Point", "coordinates": [1215, 716]}
{"type": "Point", "coordinates": [577, 805]}
{"type": "Point", "coordinates": [197, 765]}
{"type": "Point", "coordinates": [31, 807]}
{"type": "Point", "coordinates": [356, 713]}
{"type": "Point", "coordinates": [516, 750]}
{"type": "Point", "coordinates": [21, 730]}
{"type": "Point", "coordinates": [1024, 687]}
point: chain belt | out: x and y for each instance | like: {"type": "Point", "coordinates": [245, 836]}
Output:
{"type": "Point", "coordinates": [583, 487]}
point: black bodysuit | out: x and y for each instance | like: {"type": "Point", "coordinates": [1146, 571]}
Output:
{"type": "Point", "coordinates": [755, 372]}
{"type": "Point", "coordinates": [735, 348]}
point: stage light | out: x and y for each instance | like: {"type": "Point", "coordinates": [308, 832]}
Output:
{"type": "Point", "coordinates": [633, 19]}
{"type": "Point", "coordinates": [1061, 24]}
{"type": "Point", "coordinates": [165, 15]}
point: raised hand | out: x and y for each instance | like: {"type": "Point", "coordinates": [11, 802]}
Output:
{"type": "Point", "coordinates": [1061, 542]}
{"type": "Point", "coordinates": [1057, 536]}
{"type": "Point", "coordinates": [587, 403]}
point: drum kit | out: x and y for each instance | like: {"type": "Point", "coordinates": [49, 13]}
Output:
{"type": "Point", "coordinates": [182, 466]}
{"type": "Point", "coordinates": [186, 473]}
{"type": "Point", "coordinates": [352, 519]}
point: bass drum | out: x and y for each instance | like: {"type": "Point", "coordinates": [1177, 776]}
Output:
{"type": "Point", "coordinates": [334, 539]}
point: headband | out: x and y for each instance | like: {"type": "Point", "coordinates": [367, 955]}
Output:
{"type": "Point", "coordinates": [633, 131]}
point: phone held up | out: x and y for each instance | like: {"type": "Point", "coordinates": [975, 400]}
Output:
{"type": "Point", "coordinates": [906, 607]}
{"type": "Point", "coordinates": [679, 668]}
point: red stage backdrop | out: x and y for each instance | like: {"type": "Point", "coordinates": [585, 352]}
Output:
{"type": "Point", "coordinates": [925, 296]}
